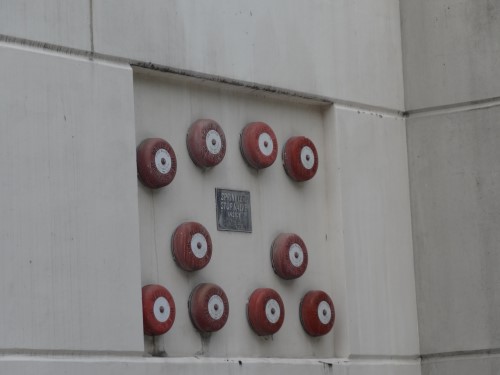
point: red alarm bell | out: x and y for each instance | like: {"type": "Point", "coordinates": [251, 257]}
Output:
{"type": "Point", "coordinates": [258, 145]}
{"type": "Point", "coordinates": [206, 143]}
{"type": "Point", "coordinates": [317, 313]}
{"type": "Point", "coordinates": [265, 311]}
{"type": "Point", "coordinates": [158, 310]}
{"type": "Point", "coordinates": [289, 256]}
{"type": "Point", "coordinates": [208, 307]}
{"type": "Point", "coordinates": [191, 246]}
{"type": "Point", "coordinates": [300, 158]}
{"type": "Point", "coordinates": [156, 163]}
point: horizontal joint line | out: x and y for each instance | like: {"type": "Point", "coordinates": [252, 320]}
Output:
{"type": "Point", "coordinates": [453, 108]}
{"type": "Point", "coordinates": [69, 353]}
{"type": "Point", "coordinates": [464, 353]}
{"type": "Point", "coordinates": [269, 89]}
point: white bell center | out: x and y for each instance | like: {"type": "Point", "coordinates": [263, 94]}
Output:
{"type": "Point", "coordinates": [307, 157]}
{"type": "Point", "coordinates": [215, 307]}
{"type": "Point", "coordinates": [163, 161]}
{"type": "Point", "coordinates": [324, 312]}
{"type": "Point", "coordinates": [199, 245]}
{"type": "Point", "coordinates": [266, 144]}
{"type": "Point", "coordinates": [273, 311]}
{"type": "Point", "coordinates": [296, 255]}
{"type": "Point", "coordinates": [161, 309]}
{"type": "Point", "coordinates": [213, 141]}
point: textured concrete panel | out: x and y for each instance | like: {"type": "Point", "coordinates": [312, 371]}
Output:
{"type": "Point", "coordinates": [455, 179]}
{"type": "Point", "coordinates": [451, 51]}
{"type": "Point", "coordinates": [70, 265]}
{"type": "Point", "coordinates": [61, 22]}
{"type": "Point", "coordinates": [380, 285]}
{"type": "Point", "coordinates": [323, 47]}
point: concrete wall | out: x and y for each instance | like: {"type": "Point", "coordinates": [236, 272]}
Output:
{"type": "Point", "coordinates": [56, 22]}
{"type": "Point", "coordinates": [69, 233]}
{"type": "Point", "coordinates": [451, 51]}
{"type": "Point", "coordinates": [451, 55]}
{"type": "Point", "coordinates": [335, 49]}
{"type": "Point", "coordinates": [377, 234]}
{"type": "Point", "coordinates": [454, 176]}
{"type": "Point", "coordinates": [69, 93]}
{"type": "Point", "coordinates": [374, 254]}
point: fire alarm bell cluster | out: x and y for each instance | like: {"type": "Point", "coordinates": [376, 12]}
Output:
{"type": "Point", "coordinates": [191, 244]}
{"type": "Point", "coordinates": [206, 145]}
{"type": "Point", "coordinates": [208, 303]}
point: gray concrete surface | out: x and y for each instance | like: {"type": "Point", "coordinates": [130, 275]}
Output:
{"type": "Point", "coordinates": [451, 51]}
{"type": "Point", "coordinates": [68, 196]}
{"type": "Point", "coordinates": [59, 365]}
{"type": "Point", "coordinates": [85, 276]}
{"type": "Point", "coordinates": [454, 178]}
{"type": "Point", "coordinates": [480, 363]}
{"type": "Point", "coordinates": [380, 288]}
{"type": "Point", "coordinates": [59, 22]}
{"type": "Point", "coordinates": [320, 47]}
{"type": "Point", "coordinates": [331, 48]}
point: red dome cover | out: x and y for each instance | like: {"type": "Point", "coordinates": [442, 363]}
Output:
{"type": "Point", "coordinates": [206, 143]}
{"type": "Point", "coordinates": [265, 311]}
{"type": "Point", "coordinates": [289, 256]}
{"type": "Point", "coordinates": [208, 307]}
{"type": "Point", "coordinates": [317, 313]}
{"type": "Point", "coordinates": [191, 246]}
{"type": "Point", "coordinates": [158, 310]}
{"type": "Point", "coordinates": [156, 163]}
{"type": "Point", "coordinates": [300, 159]}
{"type": "Point", "coordinates": [258, 145]}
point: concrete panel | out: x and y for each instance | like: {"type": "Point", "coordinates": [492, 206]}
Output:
{"type": "Point", "coordinates": [60, 22]}
{"type": "Point", "coordinates": [20, 365]}
{"type": "Point", "coordinates": [462, 365]}
{"type": "Point", "coordinates": [451, 51]}
{"type": "Point", "coordinates": [240, 261]}
{"type": "Point", "coordinates": [366, 65]}
{"type": "Point", "coordinates": [321, 47]}
{"type": "Point", "coordinates": [380, 285]}
{"type": "Point", "coordinates": [454, 177]}
{"type": "Point", "coordinates": [70, 265]}
{"type": "Point", "coordinates": [342, 342]}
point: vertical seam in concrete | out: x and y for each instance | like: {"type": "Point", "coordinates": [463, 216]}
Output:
{"type": "Point", "coordinates": [403, 70]}
{"type": "Point", "coordinates": [412, 230]}
{"type": "Point", "coordinates": [405, 119]}
{"type": "Point", "coordinates": [91, 10]}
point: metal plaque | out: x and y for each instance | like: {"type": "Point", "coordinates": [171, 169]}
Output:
{"type": "Point", "coordinates": [233, 210]}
